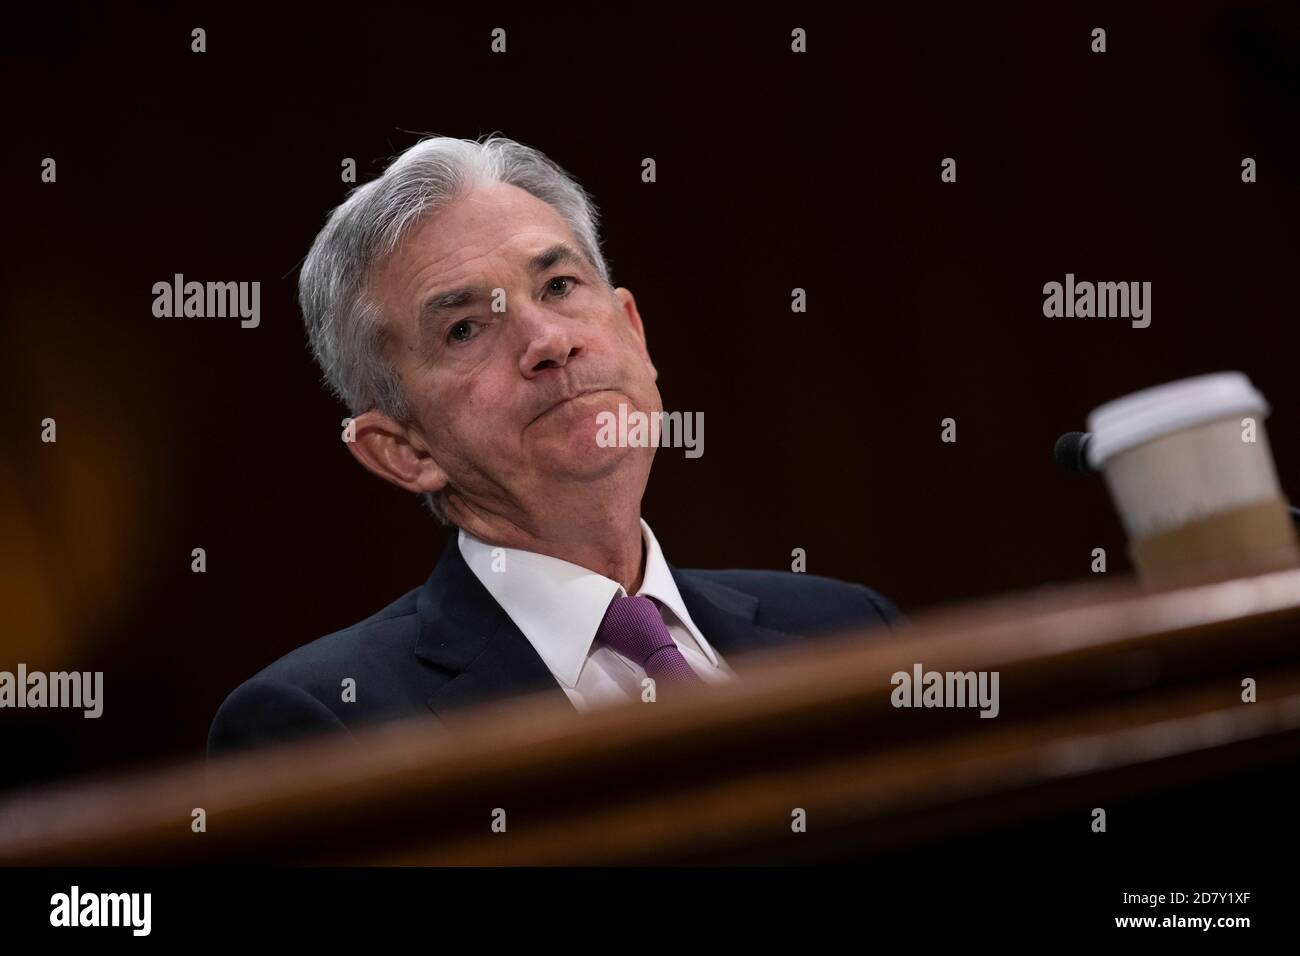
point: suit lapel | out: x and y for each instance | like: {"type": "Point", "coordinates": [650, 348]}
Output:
{"type": "Point", "coordinates": [464, 632]}
{"type": "Point", "coordinates": [726, 616]}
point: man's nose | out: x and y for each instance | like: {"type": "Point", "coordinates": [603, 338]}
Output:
{"type": "Point", "coordinates": [551, 340]}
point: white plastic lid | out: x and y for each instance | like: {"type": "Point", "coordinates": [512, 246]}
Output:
{"type": "Point", "coordinates": [1153, 412]}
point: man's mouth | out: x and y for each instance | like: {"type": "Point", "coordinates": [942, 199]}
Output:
{"type": "Point", "coordinates": [564, 401]}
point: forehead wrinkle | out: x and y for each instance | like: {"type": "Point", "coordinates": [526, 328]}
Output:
{"type": "Point", "coordinates": [410, 248]}
{"type": "Point", "coordinates": [559, 253]}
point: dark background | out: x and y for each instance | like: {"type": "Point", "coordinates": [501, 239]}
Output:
{"type": "Point", "coordinates": [775, 170]}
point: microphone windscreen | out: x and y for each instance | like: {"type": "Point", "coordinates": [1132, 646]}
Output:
{"type": "Point", "coordinates": [1071, 452]}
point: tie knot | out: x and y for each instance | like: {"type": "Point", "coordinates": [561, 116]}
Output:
{"type": "Point", "coordinates": [634, 627]}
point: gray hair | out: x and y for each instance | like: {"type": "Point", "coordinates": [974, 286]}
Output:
{"type": "Point", "coordinates": [344, 326]}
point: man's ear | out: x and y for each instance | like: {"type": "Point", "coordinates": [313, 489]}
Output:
{"type": "Point", "coordinates": [395, 452]}
{"type": "Point", "coordinates": [627, 303]}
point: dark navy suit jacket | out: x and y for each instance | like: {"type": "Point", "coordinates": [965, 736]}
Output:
{"type": "Point", "coordinates": [448, 644]}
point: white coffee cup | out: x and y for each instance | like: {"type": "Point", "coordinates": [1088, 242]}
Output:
{"type": "Point", "coordinates": [1190, 471]}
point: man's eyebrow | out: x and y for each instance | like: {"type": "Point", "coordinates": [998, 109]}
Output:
{"type": "Point", "coordinates": [446, 301]}
{"type": "Point", "coordinates": [468, 295]}
{"type": "Point", "coordinates": [558, 253]}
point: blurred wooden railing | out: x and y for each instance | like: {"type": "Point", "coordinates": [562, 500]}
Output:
{"type": "Point", "coordinates": [1099, 684]}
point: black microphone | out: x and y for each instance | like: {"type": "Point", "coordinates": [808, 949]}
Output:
{"type": "Point", "coordinates": [1071, 452]}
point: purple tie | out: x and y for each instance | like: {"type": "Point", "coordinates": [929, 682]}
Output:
{"type": "Point", "coordinates": [634, 627]}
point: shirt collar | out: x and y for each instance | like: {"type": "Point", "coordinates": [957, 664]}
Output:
{"type": "Point", "coordinates": [558, 606]}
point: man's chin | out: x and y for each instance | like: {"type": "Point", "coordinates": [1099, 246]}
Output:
{"type": "Point", "coordinates": [578, 453]}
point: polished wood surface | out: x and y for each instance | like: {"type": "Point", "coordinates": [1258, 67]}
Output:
{"type": "Point", "coordinates": [1104, 689]}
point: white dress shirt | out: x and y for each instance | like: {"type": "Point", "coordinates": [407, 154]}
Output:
{"type": "Point", "coordinates": [558, 607]}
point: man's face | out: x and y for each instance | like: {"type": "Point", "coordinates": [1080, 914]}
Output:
{"type": "Point", "coordinates": [506, 402]}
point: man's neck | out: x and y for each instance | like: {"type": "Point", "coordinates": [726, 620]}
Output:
{"type": "Point", "coordinates": [607, 541]}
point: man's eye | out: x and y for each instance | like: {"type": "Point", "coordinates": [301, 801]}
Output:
{"type": "Point", "coordinates": [460, 331]}
{"type": "Point", "coordinates": [560, 292]}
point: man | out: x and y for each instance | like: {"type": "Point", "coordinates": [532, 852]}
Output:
{"type": "Point", "coordinates": [461, 308]}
